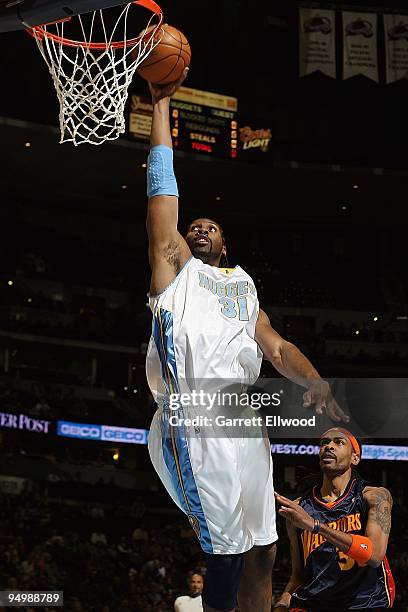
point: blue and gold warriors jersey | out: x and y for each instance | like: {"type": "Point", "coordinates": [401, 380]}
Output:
{"type": "Point", "coordinates": [332, 580]}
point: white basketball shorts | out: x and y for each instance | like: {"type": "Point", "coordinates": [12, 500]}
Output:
{"type": "Point", "coordinates": [223, 484]}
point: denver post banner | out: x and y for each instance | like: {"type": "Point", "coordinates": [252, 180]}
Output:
{"type": "Point", "coordinates": [360, 54]}
{"type": "Point", "coordinates": [396, 47]}
{"type": "Point", "coordinates": [317, 43]}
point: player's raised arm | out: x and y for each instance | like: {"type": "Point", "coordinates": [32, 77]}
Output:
{"type": "Point", "coordinates": [168, 251]}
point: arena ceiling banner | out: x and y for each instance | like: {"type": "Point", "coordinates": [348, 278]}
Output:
{"type": "Point", "coordinates": [360, 52]}
{"type": "Point", "coordinates": [317, 41]}
{"type": "Point", "coordinates": [396, 47]}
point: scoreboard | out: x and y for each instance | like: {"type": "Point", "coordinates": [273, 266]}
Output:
{"type": "Point", "coordinates": [204, 122]}
{"type": "Point", "coordinates": [201, 122]}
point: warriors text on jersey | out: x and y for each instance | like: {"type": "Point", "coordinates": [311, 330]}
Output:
{"type": "Point", "coordinates": [332, 580]}
{"type": "Point", "coordinates": [203, 339]}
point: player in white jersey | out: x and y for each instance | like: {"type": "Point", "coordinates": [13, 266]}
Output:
{"type": "Point", "coordinates": [208, 332]}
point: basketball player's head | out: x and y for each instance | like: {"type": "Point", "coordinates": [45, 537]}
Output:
{"type": "Point", "coordinates": [195, 584]}
{"type": "Point", "coordinates": [340, 451]}
{"type": "Point", "coordinates": [206, 240]}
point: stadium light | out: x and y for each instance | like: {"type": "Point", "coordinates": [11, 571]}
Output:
{"type": "Point", "coordinates": [375, 319]}
{"type": "Point", "coordinates": [10, 283]}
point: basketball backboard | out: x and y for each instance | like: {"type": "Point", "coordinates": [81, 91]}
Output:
{"type": "Point", "coordinates": [20, 14]}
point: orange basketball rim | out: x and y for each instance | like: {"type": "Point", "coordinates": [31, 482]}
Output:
{"type": "Point", "coordinates": [40, 32]}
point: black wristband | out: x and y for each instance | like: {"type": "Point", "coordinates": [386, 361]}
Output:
{"type": "Point", "coordinates": [316, 526]}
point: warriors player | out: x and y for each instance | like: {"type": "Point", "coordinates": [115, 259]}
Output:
{"type": "Point", "coordinates": [338, 536]}
{"type": "Point", "coordinates": [207, 328]}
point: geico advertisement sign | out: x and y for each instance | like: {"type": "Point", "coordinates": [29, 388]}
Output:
{"type": "Point", "coordinates": [124, 434]}
{"type": "Point", "coordinates": [24, 422]}
{"type": "Point", "coordinates": [79, 430]}
{"type": "Point", "coordinates": [106, 433]}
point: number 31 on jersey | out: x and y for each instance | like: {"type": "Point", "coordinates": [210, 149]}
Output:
{"type": "Point", "coordinates": [235, 308]}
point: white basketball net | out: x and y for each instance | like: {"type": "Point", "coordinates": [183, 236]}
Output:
{"type": "Point", "coordinates": [92, 84]}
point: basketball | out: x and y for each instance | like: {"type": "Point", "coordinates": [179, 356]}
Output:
{"type": "Point", "coordinates": [168, 59]}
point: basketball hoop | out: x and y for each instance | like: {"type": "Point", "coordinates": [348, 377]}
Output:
{"type": "Point", "coordinates": [92, 76]}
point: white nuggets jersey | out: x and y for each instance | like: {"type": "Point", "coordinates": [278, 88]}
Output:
{"type": "Point", "coordinates": [203, 331]}
{"type": "Point", "coordinates": [203, 339]}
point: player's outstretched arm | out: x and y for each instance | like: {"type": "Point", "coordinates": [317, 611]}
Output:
{"type": "Point", "coordinates": [283, 355]}
{"type": "Point", "coordinates": [168, 251]}
{"type": "Point", "coordinates": [292, 364]}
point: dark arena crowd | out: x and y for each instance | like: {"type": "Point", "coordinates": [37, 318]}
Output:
{"type": "Point", "coordinates": [313, 211]}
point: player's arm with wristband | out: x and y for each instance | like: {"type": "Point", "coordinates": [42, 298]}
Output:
{"type": "Point", "coordinates": [367, 549]}
{"type": "Point", "coordinates": [370, 548]}
{"type": "Point", "coordinates": [283, 602]}
{"type": "Point", "coordinates": [168, 251]}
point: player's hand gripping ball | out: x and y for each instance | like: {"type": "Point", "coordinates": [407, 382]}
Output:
{"type": "Point", "coordinates": [166, 91]}
{"type": "Point", "coordinates": [170, 57]}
